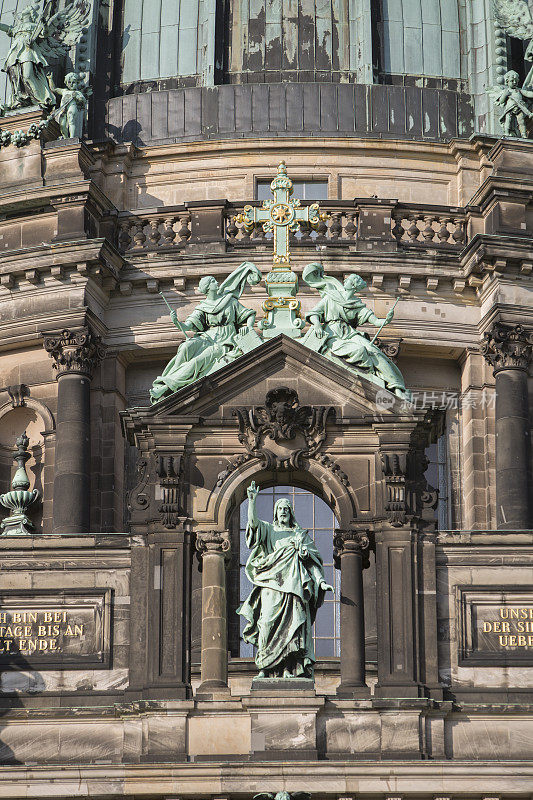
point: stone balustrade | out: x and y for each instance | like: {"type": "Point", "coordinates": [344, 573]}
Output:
{"type": "Point", "coordinates": [426, 227]}
{"type": "Point", "coordinates": [178, 226]}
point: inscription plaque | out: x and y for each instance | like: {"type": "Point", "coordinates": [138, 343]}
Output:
{"type": "Point", "coordinates": [496, 626]}
{"type": "Point", "coordinates": [51, 630]}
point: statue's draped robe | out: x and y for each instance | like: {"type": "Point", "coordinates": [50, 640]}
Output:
{"type": "Point", "coordinates": [340, 313]}
{"type": "Point", "coordinates": [215, 323]}
{"type": "Point", "coordinates": [287, 572]}
{"type": "Point", "coordinates": [29, 82]}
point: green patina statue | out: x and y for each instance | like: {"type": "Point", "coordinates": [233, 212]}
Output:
{"type": "Point", "coordinates": [286, 570]}
{"type": "Point", "coordinates": [335, 320]}
{"type": "Point", "coordinates": [222, 328]}
{"type": "Point", "coordinates": [219, 325]}
{"type": "Point", "coordinates": [38, 39]}
{"type": "Point", "coordinates": [71, 112]}
{"type": "Point", "coordinates": [516, 104]}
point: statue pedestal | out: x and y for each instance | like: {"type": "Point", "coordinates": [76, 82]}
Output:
{"type": "Point", "coordinates": [283, 685]}
{"type": "Point", "coordinates": [283, 720]}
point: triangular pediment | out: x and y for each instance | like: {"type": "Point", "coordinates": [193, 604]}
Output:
{"type": "Point", "coordinates": [281, 361]}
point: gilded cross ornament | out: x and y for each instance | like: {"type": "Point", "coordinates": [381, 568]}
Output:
{"type": "Point", "coordinates": [281, 215]}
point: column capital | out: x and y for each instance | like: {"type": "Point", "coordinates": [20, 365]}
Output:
{"type": "Point", "coordinates": [213, 542]}
{"type": "Point", "coordinates": [508, 347]}
{"type": "Point", "coordinates": [74, 351]}
{"type": "Point", "coordinates": [351, 541]}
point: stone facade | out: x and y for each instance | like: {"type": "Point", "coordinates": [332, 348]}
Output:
{"type": "Point", "coordinates": [120, 671]}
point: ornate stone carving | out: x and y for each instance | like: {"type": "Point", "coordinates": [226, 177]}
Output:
{"type": "Point", "coordinates": [232, 466]}
{"type": "Point", "coordinates": [394, 467]}
{"type": "Point", "coordinates": [213, 542]}
{"type": "Point", "coordinates": [283, 419]}
{"type": "Point", "coordinates": [390, 347]}
{"type": "Point", "coordinates": [18, 393]}
{"type": "Point", "coordinates": [19, 499]}
{"type": "Point", "coordinates": [333, 467]}
{"type": "Point", "coordinates": [139, 498]}
{"type": "Point", "coordinates": [75, 351]}
{"type": "Point", "coordinates": [169, 471]}
{"type": "Point", "coordinates": [351, 540]}
{"type": "Point", "coordinates": [508, 347]}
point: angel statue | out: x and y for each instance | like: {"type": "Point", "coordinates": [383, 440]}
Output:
{"type": "Point", "coordinates": [38, 38]}
{"type": "Point", "coordinates": [516, 105]}
{"type": "Point", "coordinates": [335, 320]}
{"type": "Point", "coordinates": [215, 324]}
{"type": "Point", "coordinates": [287, 574]}
{"type": "Point", "coordinates": [71, 111]}
{"type": "Point", "coordinates": [516, 20]}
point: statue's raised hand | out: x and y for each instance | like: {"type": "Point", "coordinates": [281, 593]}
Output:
{"type": "Point", "coordinates": [326, 587]}
{"type": "Point", "coordinates": [252, 491]}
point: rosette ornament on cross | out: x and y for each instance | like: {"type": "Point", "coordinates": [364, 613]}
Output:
{"type": "Point", "coordinates": [281, 216]}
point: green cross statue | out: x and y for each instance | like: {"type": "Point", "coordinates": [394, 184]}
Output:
{"type": "Point", "coordinates": [281, 215]}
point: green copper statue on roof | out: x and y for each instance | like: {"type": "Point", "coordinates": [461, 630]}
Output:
{"type": "Point", "coordinates": [40, 37]}
{"type": "Point", "coordinates": [223, 329]}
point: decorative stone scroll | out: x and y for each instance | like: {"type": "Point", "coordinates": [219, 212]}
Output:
{"type": "Point", "coordinates": [283, 419]}
{"type": "Point", "coordinates": [75, 351]}
{"type": "Point", "coordinates": [213, 542]}
{"type": "Point", "coordinates": [353, 541]}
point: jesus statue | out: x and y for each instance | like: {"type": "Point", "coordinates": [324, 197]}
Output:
{"type": "Point", "coordinates": [287, 573]}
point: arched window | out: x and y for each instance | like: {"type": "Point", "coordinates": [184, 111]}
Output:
{"type": "Point", "coordinates": [315, 515]}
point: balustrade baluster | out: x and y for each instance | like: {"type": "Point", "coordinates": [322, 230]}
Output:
{"type": "Point", "coordinates": [335, 229]}
{"type": "Point", "coordinates": [124, 238]}
{"type": "Point", "coordinates": [443, 233]}
{"type": "Point", "coordinates": [169, 234]}
{"type": "Point", "coordinates": [413, 231]}
{"type": "Point", "coordinates": [459, 233]}
{"type": "Point", "coordinates": [184, 232]}
{"type": "Point", "coordinates": [153, 232]}
{"type": "Point", "coordinates": [232, 230]}
{"type": "Point", "coordinates": [351, 227]}
{"type": "Point", "coordinates": [398, 231]}
{"type": "Point", "coordinates": [428, 232]}
{"type": "Point", "coordinates": [139, 237]}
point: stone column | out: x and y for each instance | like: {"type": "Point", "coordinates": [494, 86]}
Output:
{"type": "Point", "coordinates": [351, 551]}
{"type": "Point", "coordinates": [214, 548]}
{"type": "Point", "coordinates": [75, 354]}
{"type": "Point", "coordinates": [509, 349]}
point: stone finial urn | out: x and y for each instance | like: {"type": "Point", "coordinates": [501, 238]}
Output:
{"type": "Point", "coordinates": [19, 499]}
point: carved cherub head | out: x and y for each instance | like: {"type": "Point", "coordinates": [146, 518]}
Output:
{"type": "Point", "coordinates": [512, 79]}
{"type": "Point", "coordinates": [281, 404]}
{"type": "Point", "coordinates": [73, 80]}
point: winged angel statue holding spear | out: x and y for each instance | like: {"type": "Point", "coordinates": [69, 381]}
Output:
{"type": "Point", "coordinates": [39, 38]}
{"type": "Point", "coordinates": [515, 18]}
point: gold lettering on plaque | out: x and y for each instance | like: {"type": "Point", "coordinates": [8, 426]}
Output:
{"type": "Point", "coordinates": [26, 632]}
{"type": "Point", "coordinates": [510, 629]}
